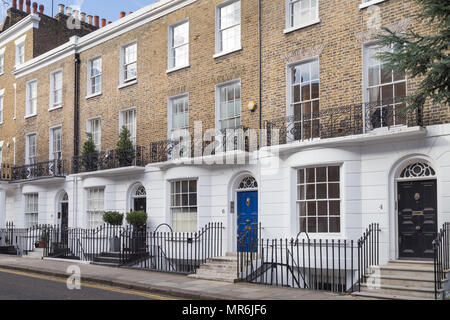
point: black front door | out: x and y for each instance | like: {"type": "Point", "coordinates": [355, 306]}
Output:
{"type": "Point", "coordinates": [140, 204]}
{"type": "Point", "coordinates": [64, 222]}
{"type": "Point", "coordinates": [417, 218]}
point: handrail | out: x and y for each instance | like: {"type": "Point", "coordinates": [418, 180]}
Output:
{"type": "Point", "coordinates": [441, 258]}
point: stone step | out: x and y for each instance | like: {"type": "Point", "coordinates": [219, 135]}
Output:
{"type": "Point", "coordinates": [404, 271]}
{"type": "Point", "coordinates": [412, 263]}
{"type": "Point", "coordinates": [402, 281]}
{"type": "Point", "coordinates": [110, 254]}
{"type": "Point", "coordinates": [222, 260]}
{"type": "Point", "coordinates": [379, 296]}
{"type": "Point", "coordinates": [392, 290]}
{"type": "Point", "coordinates": [220, 267]}
{"type": "Point", "coordinates": [105, 264]}
{"type": "Point", "coordinates": [101, 259]}
{"type": "Point", "coordinates": [231, 254]}
{"type": "Point", "coordinates": [214, 276]}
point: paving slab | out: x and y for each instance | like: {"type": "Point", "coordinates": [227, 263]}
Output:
{"type": "Point", "coordinates": [164, 283]}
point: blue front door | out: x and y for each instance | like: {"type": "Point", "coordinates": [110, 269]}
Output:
{"type": "Point", "coordinates": [247, 221]}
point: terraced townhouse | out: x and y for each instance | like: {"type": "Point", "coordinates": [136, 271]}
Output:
{"type": "Point", "coordinates": [335, 152]}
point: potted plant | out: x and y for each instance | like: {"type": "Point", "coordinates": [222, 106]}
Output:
{"type": "Point", "coordinates": [42, 243]}
{"type": "Point", "coordinates": [138, 219]}
{"type": "Point", "coordinates": [89, 154]}
{"type": "Point", "coordinates": [115, 219]}
{"type": "Point", "coordinates": [125, 148]}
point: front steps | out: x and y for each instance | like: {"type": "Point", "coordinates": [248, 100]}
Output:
{"type": "Point", "coordinates": [110, 259]}
{"type": "Point", "coordinates": [9, 250]}
{"type": "Point", "coordinates": [37, 253]}
{"type": "Point", "coordinates": [400, 280]}
{"type": "Point", "coordinates": [223, 269]}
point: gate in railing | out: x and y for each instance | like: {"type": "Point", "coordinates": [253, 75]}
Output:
{"type": "Point", "coordinates": [330, 265]}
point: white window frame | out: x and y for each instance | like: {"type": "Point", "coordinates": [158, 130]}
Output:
{"type": "Point", "coordinates": [290, 112]}
{"type": "Point", "coordinates": [29, 98]}
{"type": "Point", "coordinates": [90, 77]}
{"type": "Point", "coordinates": [219, 51]}
{"type": "Point", "coordinates": [317, 200]}
{"type": "Point", "coordinates": [131, 80]}
{"type": "Point", "coordinates": [368, 3]}
{"type": "Point", "coordinates": [2, 102]}
{"type": "Point", "coordinates": [90, 129]}
{"type": "Point", "coordinates": [171, 128]}
{"type": "Point", "coordinates": [29, 157]}
{"type": "Point", "coordinates": [31, 209]}
{"type": "Point", "coordinates": [289, 24]}
{"type": "Point", "coordinates": [176, 204]}
{"type": "Point", "coordinates": [133, 129]}
{"type": "Point", "coordinates": [53, 88]}
{"type": "Point", "coordinates": [95, 206]}
{"type": "Point", "coordinates": [2, 61]}
{"type": "Point", "coordinates": [20, 50]}
{"type": "Point", "coordinates": [172, 63]}
{"type": "Point", "coordinates": [366, 96]}
{"type": "Point", "coordinates": [1, 152]}
{"type": "Point", "coordinates": [52, 143]}
{"type": "Point", "coordinates": [218, 103]}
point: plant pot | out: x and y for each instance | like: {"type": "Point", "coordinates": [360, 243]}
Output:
{"type": "Point", "coordinates": [114, 244]}
{"type": "Point", "coordinates": [41, 244]}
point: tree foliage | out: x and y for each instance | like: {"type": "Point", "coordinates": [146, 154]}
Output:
{"type": "Point", "coordinates": [423, 55]}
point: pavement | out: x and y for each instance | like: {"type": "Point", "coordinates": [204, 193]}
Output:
{"type": "Point", "coordinates": [174, 285]}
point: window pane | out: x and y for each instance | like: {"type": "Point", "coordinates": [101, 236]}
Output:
{"type": "Point", "coordinates": [333, 191]}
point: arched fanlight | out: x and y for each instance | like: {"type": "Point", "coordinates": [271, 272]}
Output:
{"type": "Point", "coordinates": [140, 192]}
{"type": "Point", "coordinates": [248, 183]}
{"type": "Point", "coordinates": [418, 170]}
{"type": "Point", "coordinates": [65, 197]}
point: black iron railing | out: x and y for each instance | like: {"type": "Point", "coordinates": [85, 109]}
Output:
{"type": "Point", "coordinates": [41, 170]}
{"type": "Point", "coordinates": [441, 248]}
{"type": "Point", "coordinates": [316, 264]}
{"type": "Point", "coordinates": [112, 159]}
{"type": "Point", "coordinates": [340, 121]}
{"type": "Point", "coordinates": [23, 240]}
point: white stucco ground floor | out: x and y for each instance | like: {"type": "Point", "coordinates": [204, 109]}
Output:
{"type": "Point", "coordinates": [324, 189]}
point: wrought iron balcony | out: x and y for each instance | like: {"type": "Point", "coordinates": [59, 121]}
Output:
{"type": "Point", "coordinates": [112, 159]}
{"type": "Point", "coordinates": [339, 122]}
{"type": "Point", "coordinates": [41, 170]}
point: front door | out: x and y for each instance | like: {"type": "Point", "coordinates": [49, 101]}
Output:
{"type": "Point", "coordinates": [247, 221]}
{"type": "Point", "coordinates": [140, 204]}
{"type": "Point", "coordinates": [417, 218]}
{"type": "Point", "coordinates": [64, 222]}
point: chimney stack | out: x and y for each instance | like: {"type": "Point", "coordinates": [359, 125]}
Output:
{"type": "Point", "coordinates": [122, 14]}
{"type": "Point", "coordinates": [83, 17]}
{"type": "Point", "coordinates": [21, 5]}
{"type": "Point", "coordinates": [103, 23]}
{"type": "Point", "coordinates": [89, 20]}
{"type": "Point", "coordinates": [96, 21]}
{"type": "Point", "coordinates": [28, 5]}
{"type": "Point", "coordinates": [35, 7]}
{"type": "Point", "coordinates": [61, 8]}
{"type": "Point", "coordinates": [41, 9]}
{"type": "Point", "coordinates": [14, 4]}
{"type": "Point", "coordinates": [69, 11]}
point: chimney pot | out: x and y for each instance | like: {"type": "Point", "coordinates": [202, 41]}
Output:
{"type": "Point", "coordinates": [61, 8]}
{"type": "Point", "coordinates": [69, 11]}
{"type": "Point", "coordinates": [75, 14]}
{"type": "Point", "coordinates": [41, 9]}
{"type": "Point", "coordinates": [35, 7]}
{"type": "Point", "coordinates": [89, 19]}
{"type": "Point", "coordinates": [28, 5]}
{"type": "Point", "coordinates": [21, 5]}
{"type": "Point", "coordinates": [83, 17]}
{"type": "Point", "coordinates": [122, 14]}
{"type": "Point", "coordinates": [103, 23]}
{"type": "Point", "coordinates": [109, 22]}
{"type": "Point", "coordinates": [130, 12]}
{"type": "Point", "coordinates": [96, 21]}
{"type": "Point", "coordinates": [14, 4]}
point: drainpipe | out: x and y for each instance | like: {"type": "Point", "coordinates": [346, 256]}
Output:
{"type": "Point", "coordinates": [260, 68]}
{"type": "Point", "coordinates": [76, 107]}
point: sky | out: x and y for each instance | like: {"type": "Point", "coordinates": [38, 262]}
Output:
{"type": "Point", "coordinates": [108, 9]}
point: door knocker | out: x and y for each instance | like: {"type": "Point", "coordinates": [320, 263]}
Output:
{"type": "Point", "coordinates": [248, 202]}
{"type": "Point", "coordinates": [417, 196]}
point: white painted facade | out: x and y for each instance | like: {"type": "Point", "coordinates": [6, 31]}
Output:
{"type": "Point", "coordinates": [370, 164]}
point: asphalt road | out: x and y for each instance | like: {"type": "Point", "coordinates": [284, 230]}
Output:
{"type": "Point", "coordinates": [16, 285]}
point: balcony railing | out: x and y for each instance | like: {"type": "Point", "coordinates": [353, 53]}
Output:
{"type": "Point", "coordinates": [113, 159]}
{"type": "Point", "coordinates": [339, 122]}
{"type": "Point", "coordinates": [41, 170]}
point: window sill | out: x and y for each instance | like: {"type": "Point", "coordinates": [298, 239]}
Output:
{"type": "Point", "coordinates": [178, 68]}
{"type": "Point", "coordinates": [305, 25]}
{"type": "Point", "coordinates": [2, 73]}
{"type": "Point", "coordinates": [221, 54]}
{"type": "Point", "coordinates": [127, 84]}
{"type": "Point", "coordinates": [93, 95]}
{"type": "Point", "coordinates": [54, 108]}
{"type": "Point", "coordinates": [370, 3]}
{"type": "Point", "coordinates": [31, 116]}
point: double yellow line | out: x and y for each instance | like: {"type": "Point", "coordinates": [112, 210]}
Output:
{"type": "Point", "coordinates": [88, 285]}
